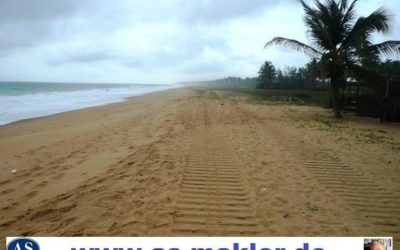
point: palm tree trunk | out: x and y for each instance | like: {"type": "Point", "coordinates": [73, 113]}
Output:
{"type": "Point", "coordinates": [336, 99]}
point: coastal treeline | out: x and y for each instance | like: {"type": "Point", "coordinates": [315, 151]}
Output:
{"type": "Point", "coordinates": [376, 96]}
{"type": "Point", "coordinates": [344, 54]}
{"type": "Point", "coordinates": [306, 78]}
{"type": "Point", "coordinates": [230, 83]}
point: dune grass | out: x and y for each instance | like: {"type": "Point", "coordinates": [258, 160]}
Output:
{"type": "Point", "coordinates": [271, 97]}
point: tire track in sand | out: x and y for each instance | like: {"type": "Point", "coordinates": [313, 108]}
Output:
{"type": "Point", "coordinates": [372, 201]}
{"type": "Point", "coordinates": [213, 199]}
{"type": "Point", "coordinates": [372, 204]}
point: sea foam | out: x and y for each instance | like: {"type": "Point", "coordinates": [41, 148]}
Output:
{"type": "Point", "coordinates": [25, 106]}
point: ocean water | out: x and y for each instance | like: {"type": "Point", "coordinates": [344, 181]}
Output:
{"type": "Point", "coordinates": [23, 100]}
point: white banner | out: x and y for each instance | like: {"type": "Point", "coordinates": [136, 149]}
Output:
{"type": "Point", "coordinates": [196, 243]}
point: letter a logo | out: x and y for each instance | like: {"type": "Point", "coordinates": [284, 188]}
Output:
{"type": "Point", "coordinates": [23, 244]}
{"type": "Point", "coordinates": [17, 247]}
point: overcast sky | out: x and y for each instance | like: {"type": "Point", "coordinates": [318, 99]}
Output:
{"type": "Point", "coordinates": [152, 41]}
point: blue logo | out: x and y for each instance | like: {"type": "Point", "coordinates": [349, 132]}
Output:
{"type": "Point", "coordinates": [23, 244]}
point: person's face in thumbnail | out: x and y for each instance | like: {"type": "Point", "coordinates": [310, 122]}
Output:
{"type": "Point", "coordinates": [377, 246]}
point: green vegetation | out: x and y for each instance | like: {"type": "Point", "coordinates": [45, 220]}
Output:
{"type": "Point", "coordinates": [266, 75]}
{"type": "Point", "coordinates": [368, 97]}
{"type": "Point", "coordinates": [342, 45]}
{"type": "Point", "coordinates": [306, 78]}
{"type": "Point", "coordinates": [229, 83]}
{"type": "Point", "coordinates": [289, 97]}
{"type": "Point", "coordinates": [270, 97]}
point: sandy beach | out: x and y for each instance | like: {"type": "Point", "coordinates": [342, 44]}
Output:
{"type": "Point", "coordinates": [199, 162]}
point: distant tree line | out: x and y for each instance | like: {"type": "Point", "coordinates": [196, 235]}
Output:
{"type": "Point", "coordinates": [230, 83]}
{"type": "Point", "coordinates": [307, 77]}
{"type": "Point", "coordinates": [376, 95]}
{"type": "Point", "coordinates": [310, 77]}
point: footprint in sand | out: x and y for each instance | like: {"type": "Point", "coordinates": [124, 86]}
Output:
{"type": "Point", "coordinates": [81, 160]}
{"type": "Point", "coordinates": [167, 165]}
{"type": "Point", "coordinates": [39, 173]}
{"type": "Point", "coordinates": [66, 208]}
{"type": "Point", "coordinates": [42, 213]}
{"type": "Point", "coordinates": [7, 208]}
{"type": "Point", "coordinates": [63, 196]}
{"type": "Point", "coordinates": [42, 184]}
{"type": "Point", "coordinates": [28, 181]}
{"type": "Point", "coordinates": [7, 191]}
{"type": "Point", "coordinates": [109, 200]}
{"type": "Point", "coordinates": [4, 182]}
{"type": "Point", "coordinates": [58, 176]}
{"type": "Point", "coordinates": [7, 223]}
{"type": "Point", "coordinates": [31, 194]}
{"type": "Point", "coordinates": [54, 167]}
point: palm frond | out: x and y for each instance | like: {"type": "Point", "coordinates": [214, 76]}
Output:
{"type": "Point", "coordinates": [317, 20]}
{"type": "Point", "coordinates": [378, 21]}
{"type": "Point", "coordinates": [334, 23]}
{"type": "Point", "coordinates": [319, 34]}
{"type": "Point", "coordinates": [387, 48]}
{"type": "Point", "coordinates": [363, 28]}
{"type": "Point", "coordinates": [305, 6]}
{"type": "Point", "coordinates": [350, 13]}
{"type": "Point", "coordinates": [343, 5]}
{"type": "Point", "coordinates": [299, 46]}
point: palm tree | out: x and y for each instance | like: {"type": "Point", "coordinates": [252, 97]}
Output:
{"type": "Point", "coordinates": [339, 39]}
{"type": "Point", "coordinates": [266, 74]}
{"type": "Point", "coordinates": [313, 73]}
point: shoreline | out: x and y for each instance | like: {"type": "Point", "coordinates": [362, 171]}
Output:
{"type": "Point", "coordinates": [88, 107]}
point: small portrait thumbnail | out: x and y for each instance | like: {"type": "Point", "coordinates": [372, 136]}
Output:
{"type": "Point", "coordinates": [378, 244]}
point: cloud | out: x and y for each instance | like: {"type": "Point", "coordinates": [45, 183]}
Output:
{"type": "Point", "coordinates": [18, 10]}
{"type": "Point", "coordinates": [84, 57]}
{"type": "Point", "coordinates": [220, 10]}
{"type": "Point", "coordinates": [26, 23]}
{"type": "Point", "coordinates": [149, 41]}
